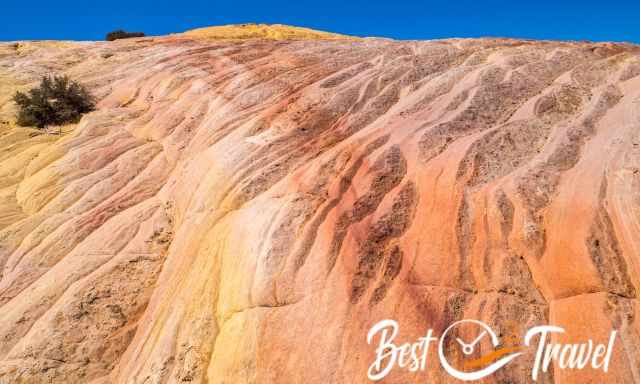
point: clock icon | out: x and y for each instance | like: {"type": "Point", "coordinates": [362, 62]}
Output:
{"type": "Point", "coordinates": [469, 348]}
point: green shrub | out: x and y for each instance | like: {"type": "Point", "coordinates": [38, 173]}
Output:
{"type": "Point", "coordinates": [56, 101]}
{"type": "Point", "coordinates": [121, 34]}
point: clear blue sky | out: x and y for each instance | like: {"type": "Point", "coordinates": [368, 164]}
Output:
{"type": "Point", "coordinates": [401, 19]}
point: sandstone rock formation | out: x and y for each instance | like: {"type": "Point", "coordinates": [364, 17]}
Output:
{"type": "Point", "coordinates": [243, 211]}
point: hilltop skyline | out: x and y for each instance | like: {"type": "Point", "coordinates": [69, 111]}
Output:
{"type": "Point", "coordinates": [403, 19]}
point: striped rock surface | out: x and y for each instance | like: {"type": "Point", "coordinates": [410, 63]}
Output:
{"type": "Point", "coordinates": [243, 211]}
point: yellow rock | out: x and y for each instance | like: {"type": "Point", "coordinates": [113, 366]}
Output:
{"type": "Point", "coordinates": [263, 31]}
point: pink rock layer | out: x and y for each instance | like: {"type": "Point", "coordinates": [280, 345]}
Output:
{"type": "Point", "coordinates": [244, 211]}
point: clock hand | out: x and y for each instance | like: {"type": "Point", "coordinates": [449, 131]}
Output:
{"type": "Point", "coordinates": [466, 348]}
{"type": "Point", "coordinates": [462, 343]}
{"type": "Point", "coordinates": [474, 342]}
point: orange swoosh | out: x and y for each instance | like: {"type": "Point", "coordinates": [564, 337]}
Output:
{"type": "Point", "coordinates": [490, 357]}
